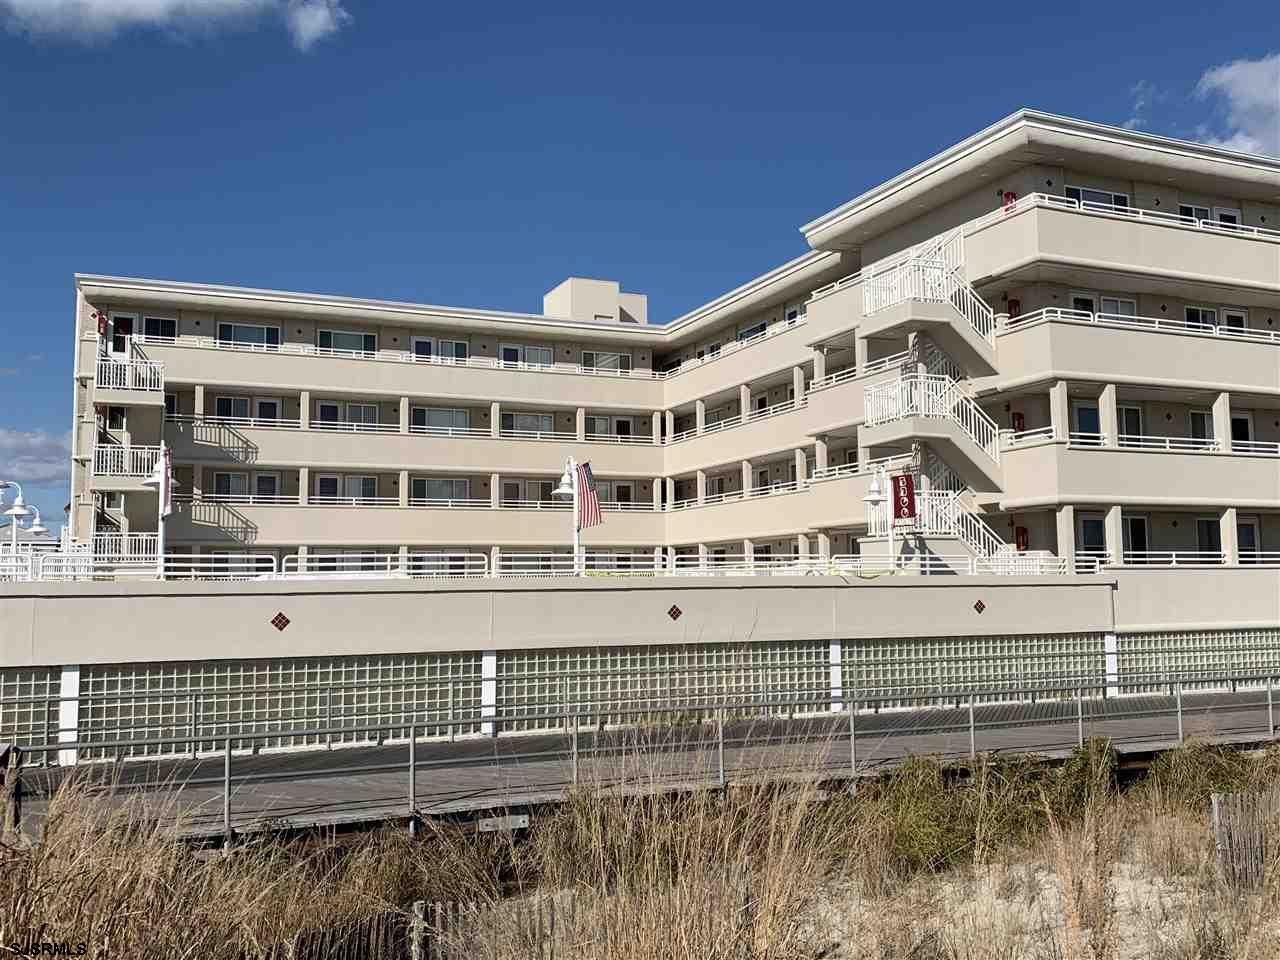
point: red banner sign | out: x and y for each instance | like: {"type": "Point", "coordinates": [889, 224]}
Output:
{"type": "Point", "coordinates": [904, 497]}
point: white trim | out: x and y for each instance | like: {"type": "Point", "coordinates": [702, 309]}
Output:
{"type": "Point", "coordinates": [112, 316]}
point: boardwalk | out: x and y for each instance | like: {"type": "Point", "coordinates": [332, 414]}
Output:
{"type": "Point", "coordinates": [362, 784]}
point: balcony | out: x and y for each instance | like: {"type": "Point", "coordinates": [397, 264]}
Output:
{"type": "Point", "coordinates": [734, 516]}
{"type": "Point", "coordinates": [132, 381]}
{"type": "Point", "coordinates": [382, 447]}
{"type": "Point", "coordinates": [761, 433]}
{"type": "Point", "coordinates": [835, 493]}
{"type": "Point", "coordinates": [351, 522]}
{"type": "Point", "coordinates": [117, 467]}
{"type": "Point", "coordinates": [838, 399]}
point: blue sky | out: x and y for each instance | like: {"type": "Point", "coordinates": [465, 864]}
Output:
{"type": "Point", "coordinates": [476, 155]}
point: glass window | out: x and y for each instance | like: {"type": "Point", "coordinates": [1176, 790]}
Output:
{"type": "Point", "coordinates": [510, 353]}
{"type": "Point", "coordinates": [232, 407]}
{"type": "Point", "coordinates": [1201, 317]}
{"type": "Point", "coordinates": [1190, 211]}
{"type": "Point", "coordinates": [440, 418]}
{"type": "Point", "coordinates": [346, 341]}
{"type": "Point", "coordinates": [327, 486]}
{"type": "Point", "coordinates": [1247, 538]}
{"type": "Point", "coordinates": [266, 408]}
{"type": "Point", "coordinates": [454, 349]}
{"type": "Point", "coordinates": [423, 346]}
{"type": "Point", "coordinates": [1130, 421]}
{"type": "Point", "coordinates": [441, 488]}
{"type": "Point", "coordinates": [1087, 418]}
{"type": "Point", "coordinates": [361, 487]}
{"type": "Point", "coordinates": [1235, 319]}
{"type": "Point", "coordinates": [1118, 307]}
{"type": "Point", "coordinates": [1103, 198]}
{"type": "Point", "coordinates": [1208, 535]}
{"type": "Point", "coordinates": [231, 484]}
{"type": "Point", "coordinates": [1201, 424]}
{"type": "Point", "coordinates": [1135, 534]}
{"type": "Point", "coordinates": [117, 417]}
{"type": "Point", "coordinates": [328, 411]}
{"type": "Point", "coordinates": [170, 404]}
{"type": "Point", "coordinates": [1241, 428]}
{"type": "Point", "coordinates": [539, 356]}
{"type": "Point", "coordinates": [266, 484]}
{"type": "Point", "coordinates": [1227, 216]}
{"type": "Point", "coordinates": [1084, 304]}
{"type": "Point", "coordinates": [597, 426]}
{"type": "Point", "coordinates": [751, 331]}
{"type": "Point", "coordinates": [530, 422]}
{"type": "Point", "coordinates": [622, 427]}
{"type": "Point", "coordinates": [599, 360]}
{"type": "Point", "coordinates": [165, 328]}
{"type": "Point", "coordinates": [121, 331]}
{"type": "Point", "coordinates": [249, 335]}
{"type": "Point", "coordinates": [362, 413]}
{"type": "Point", "coordinates": [1093, 532]}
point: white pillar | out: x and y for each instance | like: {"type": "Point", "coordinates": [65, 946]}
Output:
{"type": "Point", "coordinates": [670, 417]}
{"type": "Point", "coordinates": [819, 362]}
{"type": "Point", "coordinates": [1065, 517]}
{"type": "Point", "coordinates": [1222, 421]}
{"type": "Point", "coordinates": [1111, 663]}
{"type": "Point", "coordinates": [702, 486]}
{"type": "Point", "coordinates": [702, 556]}
{"type": "Point", "coordinates": [748, 551]}
{"type": "Point", "coordinates": [495, 418]}
{"type": "Point", "coordinates": [68, 713]}
{"type": "Point", "coordinates": [1115, 534]}
{"type": "Point", "coordinates": [819, 453]}
{"type": "Point", "coordinates": [404, 488]}
{"type": "Point", "coordinates": [824, 544]}
{"type": "Point", "coordinates": [495, 491]}
{"type": "Point", "coordinates": [746, 477]}
{"type": "Point", "coordinates": [797, 383]}
{"type": "Point", "coordinates": [700, 415]}
{"type": "Point", "coordinates": [304, 485]}
{"type": "Point", "coordinates": [860, 345]}
{"type": "Point", "coordinates": [802, 465]}
{"type": "Point", "coordinates": [671, 491]}
{"type": "Point", "coordinates": [304, 406]}
{"type": "Point", "coordinates": [802, 546]}
{"type": "Point", "coordinates": [404, 414]}
{"type": "Point", "coordinates": [656, 428]}
{"type": "Point", "coordinates": [1228, 533]}
{"type": "Point", "coordinates": [495, 560]}
{"type": "Point", "coordinates": [488, 687]}
{"type": "Point", "coordinates": [198, 409]}
{"type": "Point", "coordinates": [1060, 410]}
{"type": "Point", "coordinates": [657, 494]}
{"type": "Point", "coordinates": [744, 401]}
{"type": "Point", "coordinates": [1109, 415]}
{"type": "Point", "coordinates": [580, 423]}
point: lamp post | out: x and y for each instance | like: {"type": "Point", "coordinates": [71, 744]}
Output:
{"type": "Point", "coordinates": [14, 513]}
{"type": "Point", "coordinates": [875, 499]}
{"type": "Point", "coordinates": [162, 480]}
{"type": "Point", "coordinates": [569, 488]}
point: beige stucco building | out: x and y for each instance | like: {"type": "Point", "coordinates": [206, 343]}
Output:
{"type": "Point", "coordinates": [1067, 331]}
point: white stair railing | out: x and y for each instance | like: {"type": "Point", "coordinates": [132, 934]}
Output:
{"type": "Point", "coordinates": [927, 395]}
{"type": "Point", "coordinates": [931, 271]}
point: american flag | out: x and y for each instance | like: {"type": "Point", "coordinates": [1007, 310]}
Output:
{"type": "Point", "coordinates": [589, 514]}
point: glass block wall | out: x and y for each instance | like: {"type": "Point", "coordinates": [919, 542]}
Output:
{"type": "Point", "coordinates": [215, 699]}
{"type": "Point", "coordinates": [1146, 659]}
{"type": "Point", "coordinates": [911, 671]}
{"type": "Point", "coordinates": [29, 705]}
{"type": "Point", "coordinates": [649, 677]}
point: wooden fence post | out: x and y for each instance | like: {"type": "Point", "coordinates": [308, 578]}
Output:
{"type": "Point", "coordinates": [418, 931]}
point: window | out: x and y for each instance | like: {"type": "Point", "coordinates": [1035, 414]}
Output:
{"type": "Point", "coordinates": [360, 488]}
{"type": "Point", "coordinates": [160, 328]}
{"type": "Point", "coordinates": [512, 491]}
{"type": "Point", "coordinates": [1103, 198]}
{"type": "Point", "coordinates": [1119, 308]}
{"type": "Point", "coordinates": [713, 350]}
{"type": "Point", "coordinates": [622, 492]}
{"type": "Point", "coordinates": [762, 403]}
{"type": "Point", "coordinates": [716, 486]}
{"type": "Point", "coordinates": [1201, 423]}
{"type": "Point", "coordinates": [1189, 211]}
{"type": "Point", "coordinates": [1093, 533]}
{"type": "Point", "coordinates": [747, 333]}
{"type": "Point", "coordinates": [1235, 319]}
{"type": "Point", "coordinates": [266, 408]}
{"type": "Point", "coordinates": [528, 422]}
{"type": "Point", "coordinates": [423, 347]}
{"type": "Point", "coordinates": [1241, 427]}
{"type": "Point", "coordinates": [347, 341]}
{"type": "Point", "coordinates": [1084, 302]}
{"type": "Point", "coordinates": [231, 408]}
{"type": "Point", "coordinates": [112, 500]}
{"type": "Point", "coordinates": [514, 353]}
{"type": "Point", "coordinates": [170, 405]}
{"type": "Point", "coordinates": [1208, 535]}
{"type": "Point", "coordinates": [231, 484]}
{"type": "Point", "coordinates": [328, 411]}
{"type": "Point", "coordinates": [362, 413]}
{"type": "Point", "coordinates": [1227, 216]}
{"type": "Point", "coordinates": [266, 485]}
{"type": "Point", "coordinates": [1201, 317]}
{"type": "Point", "coordinates": [599, 360]}
{"type": "Point", "coordinates": [453, 349]}
{"type": "Point", "coordinates": [540, 490]}
{"type": "Point", "coordinates": [622, 426]}
{"type": "Point", "coordinates": [1135, 536]}
{"type": "Point", "coordinates": [597, 426]}
{"type": "Point", "coordinates": [1130, 420]}
{"type": "Point", "coordinates": [762, 478]}
{"type": "Point", "coordinates": [1088, 422]}
{"type": "Point", "coordinates": [441, 419]}
{"type": "Point", "coordinates": [1248, 540]}
{"type": "Point", "coordinates": [249, 335]}
{"type": "Point", "coordinates": [440, 488]}
{"type": "Point", "coordinates": [328, 486]}
{"type": "Point", "coordinates": [117, 418]}
{"type": "Point", "coordinates": [121, 331]}
{"type": "Point", "coordinates": [793, 313]}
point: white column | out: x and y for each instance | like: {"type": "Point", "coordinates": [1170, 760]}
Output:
{"type": "Point", "coordinates": [404, 414]}
{"type": "Point", "coordinates": [702, 486]}
{"type": "Point", "coordinates": [1060, 410]}
{"type": "Point", "coordinates": [748, 551]}
{"type": "Point", "coordinates": [657, 494]}
{"type": "Point", "coordinates": [819, 453]}
{"type": "Point", "coordinates": [834, 657]}
{"type": "Point", "coordinates": [824, 544]}
{"type": "Point", "coordinates": [495, 418]}
{"type": "Point", "coordinates": [656, 429]}
{"type": "Point", "coordinates": [1065, 517]}
{"type": "Point", "coordinates": [581, 423]}
{"type": "Point", "coordinates": [746, 477]}
{"type": "Point", "coordinates": [1222, 421]}
{"type": "Point", "coordinates": [198, 409]}
{"type": "Point", "coordinates": [802, 465]}
{"type": "Point", "coordinates": [702, 556]}
{"type": "Point", "coordinates": [700, 415]}
{"type": "Point", "coordinates": [860, 345]}
{"type": "Point", "coordinates": [797, 383]}
{"type": "Point", "coordinates": [1109, 415]}
{"type": "Point", "coordinates": [495, 560]}
{"type": "Point", "coordinates": [1115, 534]}
{"type": "Point", "coordinates": [304, 485]}
{"type": "Point", "coordinates": [404, 488]}
{"type": "Point", "coordinates": [744, 401]}
{"type": "Point", "coordinates": [802, 546]}
{"type": "Point", "coordinates": [670, 417]}
{"type": "Point", "coordinates": [671, 491]}
{"type": "Point", "coordinates": [488, 687]}
{"type": "Point", "coordinates": [403, 557]}
{"type": "Point", "coordinates": [1228, 533]}
{"type": "Point", "coordinates": [495, 491]}
{"type": "Point", "coordinates": [658, 555]}
{"type": "Point", "coordinates": [304, 407]}
{"type": "Point", "coordinates": [68, 713]}
{"type": "Point", "coordinates": [819, 362]}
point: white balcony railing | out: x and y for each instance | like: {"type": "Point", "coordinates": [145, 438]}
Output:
{"type": "Point", "coordinates": [1010, 440]}
{"type": "Point", "coordinates": [925, 395]}
{"type": "Point", "coordinates": [1174, 558]}
{"type": "Point", "coordinates": [1184, 444]}
{"type": "Point", "coordinates": [131, 374]}
{"type": "Point", "coordinates": [125, 547]}
{"type": "Point", "coordinates": [1133, 322]}
{"type": "Point", "coordinates": [111, 460]}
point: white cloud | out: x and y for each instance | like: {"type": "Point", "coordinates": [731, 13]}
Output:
{"type": "Point", "coordinates": [1145, 94]}
{"type": "Point", "coordinates": [1250, 92]}
{"type": "Point", "coordinates": [34, 456]}
{"type": "Point", "coordinates": [307, 21]}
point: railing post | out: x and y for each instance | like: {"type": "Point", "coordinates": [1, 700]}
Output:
{"type": "Point", "coordinates": [973, 731]}
{"type": "Point", "coordinates": [1271, 722]}
{"type": "Point", "coordinates": [1177, 692]}
{"type": "Point", "coordinates": [413, 780]}
{"type": "Point", "coordinates": [1079, 717]}
{"type": "Point", "coordinates": [226, 796]}
{"type": "Point", "coordinates": [192, 707]}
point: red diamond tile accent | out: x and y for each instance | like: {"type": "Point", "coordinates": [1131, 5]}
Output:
{"type": "Point", "coordinates": [675, 612]}
{"type": "Point", "coordinates": [979, 606]}
{"type": "Point", "coordinates": [280, 621]}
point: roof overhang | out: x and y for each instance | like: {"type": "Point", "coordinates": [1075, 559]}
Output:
{"type": "Point", "coordinates": [1029, 137]}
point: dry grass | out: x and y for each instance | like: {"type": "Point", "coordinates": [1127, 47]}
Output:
{"type": "Point", "coordinates": [1018, 860]}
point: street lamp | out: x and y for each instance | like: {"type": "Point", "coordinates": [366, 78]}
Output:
{"type": "Point", "coordinates": [37, 526]}
{"type": "Point", "coordinates": [569, 488]}
{"type": "Point", "coordinates": [14, 513]}
{"type": "Point", "coordinates": [875, 498]}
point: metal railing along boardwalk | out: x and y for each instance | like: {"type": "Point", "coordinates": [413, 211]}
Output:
{"type": "Point", "coordinates": [777, 731]}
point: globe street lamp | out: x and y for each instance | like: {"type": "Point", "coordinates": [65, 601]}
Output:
{"type": "Point", "coordinates": [876, 498]}
{"type": "Point", "coordinates": [14, 513]}
{"type": "Point", "coordinates": [569, 488]}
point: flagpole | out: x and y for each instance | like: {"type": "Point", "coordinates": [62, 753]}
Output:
{"type": "Point", "coordinates": [161, 494]}
{"type": "Point", "coordinates": [577, 515]}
